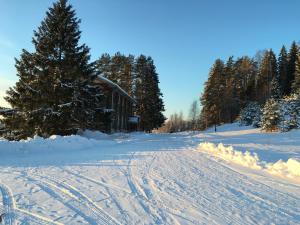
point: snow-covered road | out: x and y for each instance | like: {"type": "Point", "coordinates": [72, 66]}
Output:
{"type": "Point", "coordinates": [142, 179]}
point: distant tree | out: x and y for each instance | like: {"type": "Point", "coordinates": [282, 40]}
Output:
{"type": "Point", "coordinates": [55, 93]}
{"type": "Point", "coordinates": [194, 115]}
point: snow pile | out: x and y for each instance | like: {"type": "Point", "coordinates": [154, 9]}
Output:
{"type": "Point", "coordinates": [97, 135]}
{"type": "Point", "coordinates": [55, 143]}
{"type": "Point", "coordinates": [229, 154]}
{"type": "Point", "coordinates": [288, 169]}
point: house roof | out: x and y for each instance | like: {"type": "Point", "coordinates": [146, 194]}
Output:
{"type": "Point", "coordinates": [114, 86]}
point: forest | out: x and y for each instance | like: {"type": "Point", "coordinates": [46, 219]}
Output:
{"type": "Point", "coordinates": [262, 91]}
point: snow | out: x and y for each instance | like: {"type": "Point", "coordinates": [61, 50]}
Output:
{"type": "Point", "coordinates": [289, 169]}
{"type": "Point", "coordinates": [138, 178]}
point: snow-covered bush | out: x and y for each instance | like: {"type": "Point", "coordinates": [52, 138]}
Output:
{"type": "Point", "coordinates": [251, 115]}
{"type": "Point", "coordinates": [290, 113]}
{"type": "Point", "coordinates": [271, 116]}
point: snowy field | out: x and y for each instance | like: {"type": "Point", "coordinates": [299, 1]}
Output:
{"type": "Point", "coordinates": [153, 178]}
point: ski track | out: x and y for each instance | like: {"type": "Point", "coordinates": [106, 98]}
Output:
{"type": "Point", "coordinates": [176, 185]}
{"type": "Point", "coordinates": [12, 212]}
{"type": "Point", "coordinates": [89, 210]}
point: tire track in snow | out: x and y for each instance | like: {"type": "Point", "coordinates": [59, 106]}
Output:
{"type": "Point", "coordinates": [80, 198]}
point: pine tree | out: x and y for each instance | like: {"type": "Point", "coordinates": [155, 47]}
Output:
{"type": "Point", "coordinates": [147, 93]}
{"type": "Point", "coordinates": [267, 71]}
{"type": "Point", "coordinates": [292, 58]}
{"type": "Point", "coordinates": [119, 69]}
{"type": "Point", "coordinates": [104, 65]}
{"type": "Point", "coordinates": [296, 82]}
{"type": "Point", "coordinates": [55, 93]}
{"type": "Point", "coordinates": [212, 98]}
{"type": "Point", "coordinates": [283, 70]}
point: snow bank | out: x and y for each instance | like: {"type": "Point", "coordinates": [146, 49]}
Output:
{"type": "Point", "coordinates": [288, 169]}
{"type": "Point", "coordinates": [51, 144]}
{"type": "Point", "coordinates": [229, 154]}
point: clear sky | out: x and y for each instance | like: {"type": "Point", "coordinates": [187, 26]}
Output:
{"type": "Point", "coordinates": [184, 37]}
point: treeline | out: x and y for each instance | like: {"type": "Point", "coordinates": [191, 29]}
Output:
{"type": "Point", "coordinates": [247, 83]}
{"type": "Point", "coordinates": [56, 92]}
{"type": "Point", "coordinates": [177, 123]}
{"type": "Point", "coordinates": [138, 77]}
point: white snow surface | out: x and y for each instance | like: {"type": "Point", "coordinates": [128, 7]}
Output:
{"type": "Point", "coordinates": [137, 178]}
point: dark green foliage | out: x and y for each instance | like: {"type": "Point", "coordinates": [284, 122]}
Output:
{"type": "Point", "coordinates": [212, 98]}
{"type": "Point", "coordinates": [292, 58]}
{"type": "Point", "coordinates": [283, 71]}
{"type": "Point", "coordinates": [138, 77]}
{"type": "Point", "coordinates": [275, 88]}
{"type": "Point", "coordinates": [267, 71]}
{"type": "Point", "coordinates": [271, 115]}
{"type": "Point", "coordinates": [119, 69]}
{"type": "Point", "coordinates": [148, 95]}
{"type": "Point", "coordinates": [237, 84]}
{"type": "Point", "coordinates": [296, 82]}
{"type": "Point", "coordinates": [251, 115]}
{"type": "Point", "coordinates": [55, 92]}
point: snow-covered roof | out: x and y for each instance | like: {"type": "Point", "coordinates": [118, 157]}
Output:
{"type": "Point", "coordinates": [116, 86]}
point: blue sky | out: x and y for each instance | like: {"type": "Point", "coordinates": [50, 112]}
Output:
{"type": "Point", "coordinates": [183, 37]}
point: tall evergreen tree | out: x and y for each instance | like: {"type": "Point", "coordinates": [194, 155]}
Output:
{"type": "Point", "coordinates": [212, 97]}
{"type": "Point", "coordinates": [267, 71]}
{"type": "Point", "coordinates": [292, 58]}
{"type": "Point", "coordinates": [283, 71]}
{"type": "Point", "coordinates": [55, 93]}
{"type": "Point", "coordinates": [148, 95]}
{"type": "Point", "coordinates": [296, 82]}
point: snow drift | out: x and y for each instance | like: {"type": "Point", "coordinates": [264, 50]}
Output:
{"type": "Point", "coordinates": [288, 169]}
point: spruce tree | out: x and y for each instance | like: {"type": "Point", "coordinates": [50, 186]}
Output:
{"type": "Point", "coordinates": [147, 93]}
{"type": "Point", "coordinates": [296, 82]}
{"type": "Point", "coordinates": [283, 71]}
{"type": "Point", "coordinates": [271, 115]}
{"type": "Point", "coordinates": [55, 93]}
{"type": "Point", "coordinates": [292, 58]}
{"type": "Point", "coordinates": [275, 88]}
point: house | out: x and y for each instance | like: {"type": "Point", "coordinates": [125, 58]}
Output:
{"type": "Point", "coordinates": [120, 104]}
{"type": "Point", "coordinates": [116, 101]}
